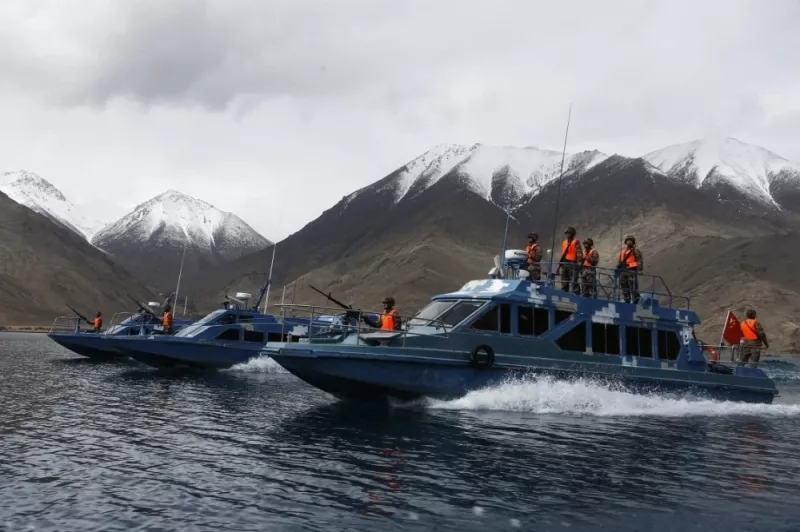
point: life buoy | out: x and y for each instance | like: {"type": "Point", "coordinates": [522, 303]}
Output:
{"type": "Point", "coordinates": [714, 353]}
{"type": "Point", "coordinates": [476, 360]}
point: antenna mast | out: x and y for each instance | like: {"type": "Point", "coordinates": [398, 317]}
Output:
{"type": "Point", "coordinates": [175, 305]}
{"type": "Point", "coordinates": [558, 196]}
{"type": "Point", "coordinates": [269, 281]}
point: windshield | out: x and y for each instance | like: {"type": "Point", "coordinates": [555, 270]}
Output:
{"type": "Point", "coordinates": [431, 311]}
{"type": "Point", "coordinates": [196, 326]}
{"type": "Point", "coordinates": [210, 317]}
{"type": "Point", "coordinates": [456, 315]}
{"type": "Point", "coordinates": [448, 313]}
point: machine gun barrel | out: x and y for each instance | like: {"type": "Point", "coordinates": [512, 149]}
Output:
{"type": "Point", "coordinates": [81, 316]}
{"type": "Point", "coordinates": [141, 307]}
{"type": "Point", "coordinates": [331, 298]}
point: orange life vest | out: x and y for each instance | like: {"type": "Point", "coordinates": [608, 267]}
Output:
{"type": "Point", "coordinates": [749, 329]}
{"type": "Point", "coordinates": [629, 257]}
{"type": "Point", "coordinates": [98, 322]}
{"type": "Point", "coordinates": [531, 250]}
{"type": "Point", "coordinates": [167, 320]}
{"type": "Point", "coordinates": [388, 320]}
{"type": "Point", "coordinates": [587, 258]}
{"type": "Point", "coordinates": [570, 250]}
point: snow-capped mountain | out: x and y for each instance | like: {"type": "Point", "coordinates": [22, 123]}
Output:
{"type": "Point", "coordinates": [505, 175]}
{"type": "Point", "coordinates": [149, 241]}
{"type": "Point", "coordinates": [753, 171]}
{"type": "Point", "coordinates": [38, 194]}
{"type": "Point", "coordinates": [184, 219]}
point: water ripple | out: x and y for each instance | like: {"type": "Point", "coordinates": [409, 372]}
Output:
{"type": "Point", "coordinates": [87, 446]}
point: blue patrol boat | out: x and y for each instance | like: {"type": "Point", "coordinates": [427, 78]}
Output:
{"type": "Point", "coordinates": [493, 330]}
{"type": "Point", "coordinates": [98, 345]}
{"type": "Point", "coordinates": [227, 336]}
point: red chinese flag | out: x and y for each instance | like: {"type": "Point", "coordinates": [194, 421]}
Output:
{"type": "Point", "coordinates": [733, 330]}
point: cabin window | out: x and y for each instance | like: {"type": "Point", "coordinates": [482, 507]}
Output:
{"type": "Point", "coordinates": [456, 315]}
{"type": "Point", "coordinates": [532, 321]}
{"type": "Point", "coordinates": [229, 334]}
{"type": "Point", "coordinates": [247, 318]}
{"type": "Point", "coordinates": [562, 315]}
{"type": "Point", "coordinates": [574, 339]}
{"type": "Point", "coordinates": [668, 345]}
{"type": "Point", "coordinates": [505, 318]}
{"type": "Point", "coordinates": [498, 318]}
{"type": "Point", "coordinates": [638, 341]}
{"type": "Point", "coordinates": [253, 336]}
{"type": "Point", "coordinates": [226, 319]}
{"type": "Point", "coordinates": [605, 339]}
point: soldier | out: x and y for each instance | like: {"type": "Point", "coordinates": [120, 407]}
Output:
{"type": "Point", "coordinates": [630, 266]}
{"type": "Point", "coordinates": [588, 273]}
{"type": "Point", "coordinates": [97, 322]}
{"type": "Point", "coordinates": [571, 258]}
{"type": "Point", "coordinates": [534, 251]}
{"type": "Point", "coordinates": [753, 336]}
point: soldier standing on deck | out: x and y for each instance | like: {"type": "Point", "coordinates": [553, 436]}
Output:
{"type": "Point", "coordinates": [588, 273]}
{"type": "Point", "coordinates": [753, 336]}
{"type": "Point", "coordinates": [631, 265]}
{"type": "Point", "coordinates": [571, 258]}
{"type": "Point", "coordinates": [534, 251]}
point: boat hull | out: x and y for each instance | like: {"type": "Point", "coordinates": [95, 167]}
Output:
{"type": "Point", "coordinates": [94, 346]}
{"type": "Point", "coordinates": [170, 353]}
{"type": "Point", "coordinates": [378, 379]}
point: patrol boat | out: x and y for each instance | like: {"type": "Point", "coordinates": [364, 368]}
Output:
{"type": "Point", "coordinates": [506, 326]}
{"type": "Point", "coordinates": [225, 337]}
{"type": "Point", "coordinates": [98, 346]}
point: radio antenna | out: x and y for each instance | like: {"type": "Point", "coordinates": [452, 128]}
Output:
{"type": "Point", "coordinates": [558, 195]}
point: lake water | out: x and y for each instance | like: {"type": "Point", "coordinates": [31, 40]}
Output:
{"type": "Point", "coordinates": [118, 446]}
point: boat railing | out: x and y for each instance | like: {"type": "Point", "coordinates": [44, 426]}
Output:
{"type": "Point", "coordinates": [607, 284]}
{"type": "Point", "coordinates": [314, 312]}
{"type": "Point", "coordinates": [60, 324]}
{"type": "Point", "coordinates": [121, 316]}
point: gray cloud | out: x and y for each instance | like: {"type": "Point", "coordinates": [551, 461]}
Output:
{"type": "Point", "coordinates": [334, 94]}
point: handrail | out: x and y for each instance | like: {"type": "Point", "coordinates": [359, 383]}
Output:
{"type": "Point", "coordinates": [113, 319]}
{"type": "Point", "coordinates": [313, 311]}
{"type": "Point", "coordinates": [608, 284]}
{"type": "Point", "coordinates": [67, 318]}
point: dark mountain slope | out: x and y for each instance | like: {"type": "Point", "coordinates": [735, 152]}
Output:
{"type": "Point", "coordinates": [43, 265]}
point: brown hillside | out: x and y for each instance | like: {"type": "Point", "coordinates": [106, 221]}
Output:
{"type": "Point", "coordinates": [44, 266]}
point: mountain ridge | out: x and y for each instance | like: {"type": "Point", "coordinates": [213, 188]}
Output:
{"type": "Point", "coordinates": [151, 238]}
{"type": "Point", "coordinates": [33, 191]}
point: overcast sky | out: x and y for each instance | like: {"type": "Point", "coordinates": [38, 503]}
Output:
{"type": "Point", "coordinates": [276, 109]}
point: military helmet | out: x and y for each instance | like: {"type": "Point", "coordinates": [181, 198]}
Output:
{"type": "Point", "coordinates": [588, 242]}
{"type": "Point", "coordinates": [388, 300]}
{"type": "Point", "coordinates": [631, 238]}
{"type": "Point", "coordinates": [751, 314]}
{"type": "Point", "coordinates": [533, 236]}
{"type": "Point", "coordinates": [570, 231]}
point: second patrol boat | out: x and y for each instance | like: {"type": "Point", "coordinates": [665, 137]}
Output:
{"type": "Point", "coordinates": [493, 329]}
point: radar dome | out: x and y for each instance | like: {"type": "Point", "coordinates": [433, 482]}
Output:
{"type": "Point", "coordinates": [243, 295]}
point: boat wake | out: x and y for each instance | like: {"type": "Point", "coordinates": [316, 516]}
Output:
{"type": "Point", "coordinates": [262, 364]}
{"type": "Point", "coordinates": [545, 395]}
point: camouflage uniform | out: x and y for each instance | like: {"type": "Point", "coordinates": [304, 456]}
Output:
{"type": "Point", "coordinates": [570, 270]}
{"type": "Point", "coordinates": [534, 254]}
{"type": "Point", "coordinates": [751, 349]}
{"type": "Point", "coordinates": [629, 278]}
{"type": "Point", "coordinates": [588, 273]}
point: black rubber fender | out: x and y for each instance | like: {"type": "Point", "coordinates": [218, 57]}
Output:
{"type": "Point", "coordinates": [475, 359]}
